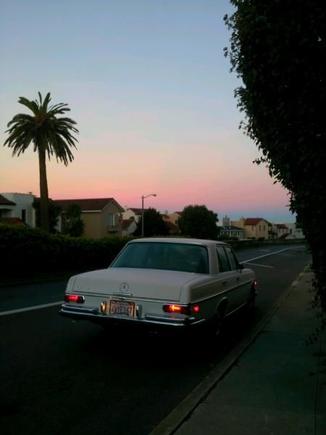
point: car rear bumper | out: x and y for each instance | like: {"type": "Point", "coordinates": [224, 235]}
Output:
{"type": "Point", "coordinates": [149, 320]}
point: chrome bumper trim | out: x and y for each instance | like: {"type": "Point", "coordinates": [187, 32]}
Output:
{"type": "Point", "coordinates": [95, 315]}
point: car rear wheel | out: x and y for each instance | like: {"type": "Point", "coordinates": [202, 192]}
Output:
{"type": "Point", "coordinates": [251, 304]}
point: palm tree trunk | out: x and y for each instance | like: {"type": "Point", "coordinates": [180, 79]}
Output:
{"type": "Point", "coordinates": [44, 196]}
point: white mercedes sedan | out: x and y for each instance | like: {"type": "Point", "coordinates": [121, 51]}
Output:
{"type": "Point", "coordinates": [163, 282]}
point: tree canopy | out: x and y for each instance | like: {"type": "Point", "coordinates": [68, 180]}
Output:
{"type": "Point", "coordinates": [73, 224]}
{"type": "Point", "coordinates": [277, 49]}
{"type": "Point", "coordinates": [154, 224]}
{"type": "Point", "coordinates": [199, 222]}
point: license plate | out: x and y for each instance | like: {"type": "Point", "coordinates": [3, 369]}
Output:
{"type": "Point", "coordinates": [122, 308]}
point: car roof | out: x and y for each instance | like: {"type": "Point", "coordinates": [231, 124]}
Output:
{"type": "Point", "coordinates": [182, 240]}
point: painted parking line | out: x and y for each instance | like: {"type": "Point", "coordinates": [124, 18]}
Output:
{"type": "Point", "coordinates": [266, 255]}
{"type": "Point", "coordinates": [35, 307]}
{"type": "Point", "coordinates": [260, 265]}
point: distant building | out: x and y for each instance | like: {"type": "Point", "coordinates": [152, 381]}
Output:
{"type": "Point", "coordinates": [17, 208]}
{"type": "Point", "coordinates": [102, 217]}
{"type": "Point", "coordinates": [281, 230]}
{"type": "Point", "coordinates": [132, 212]}
{"type": "Point", "coordinates": [232, 232]}
{"type": "Point", "coordinates": [295, 232]}
{"type": "Point", "coordinates": [254, 228]}
{"type": "Point", "coordinates": [226, 222]}
{"type": "Point", "coordinates": [128, 227]}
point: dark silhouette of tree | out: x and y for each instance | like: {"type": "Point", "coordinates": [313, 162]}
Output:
{"type": "Point", "coordinates": [72, 222]}
{"type": "Point", "coordinates": [49, 134]}
{"type": "Point", "coordinates": [197, 221]}
{"type": "Point", "coordinates": [54, 213]}
{"type": "Point", "coordinates": [154, 224]}
{"type": "Point", "coordinates": [278, 50]}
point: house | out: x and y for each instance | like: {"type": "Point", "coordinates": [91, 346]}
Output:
{"type": "Point", "coordinates": [102, 217]}
{"type": "Point", "coordinates": [281, 231]}
{"type": "Point", "coordinates": [232, 232]}
{"type": "Point", "coordinates": [254, 228]}
{"type": "Point", "coordinates": [171, 220]}
{"type": "Point", "coordinates": [175, 216]}
{"type": "Point", "coordinates": [294, 232]}
{"type": "Point", "coordinates": [132, 213]}
{"type": "Point", "coordinates": [17, 207]}
{"type": "Point", "coordinates": [128, 227]}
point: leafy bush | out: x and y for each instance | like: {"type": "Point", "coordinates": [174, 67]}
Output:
{"type": "Point", "coordinates": [26, 252]}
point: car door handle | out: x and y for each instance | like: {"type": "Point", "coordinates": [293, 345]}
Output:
{"type": "Point", "coordinates": [238, 279]}
{"type": "Point", "coordinates": [224, 282]}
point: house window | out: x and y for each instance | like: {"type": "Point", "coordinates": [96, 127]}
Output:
{"type": "Point", "coordinates": [111, 220]}
{"type": "Point", "coordinates": [24, 215]}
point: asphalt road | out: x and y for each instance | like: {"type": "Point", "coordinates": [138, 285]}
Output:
{"type": "Point", "coordinates": [62, 377]}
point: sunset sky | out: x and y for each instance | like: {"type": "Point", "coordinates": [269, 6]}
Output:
{"type": "Point", "coordinates": [152, 93]}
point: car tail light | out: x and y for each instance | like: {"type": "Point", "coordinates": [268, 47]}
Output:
{"type": "Point", "coordinates": [254, 285]}
{"type": "Point", "coordinates": [181, 309]}
{"type": "Point", "coordinates": [75, 298]}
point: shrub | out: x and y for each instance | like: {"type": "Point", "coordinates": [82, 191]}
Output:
{"type": "Point", "coordinates": [25, 252]}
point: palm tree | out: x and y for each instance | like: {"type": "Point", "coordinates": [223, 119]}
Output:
{"type": "Point", "coordinates": [50, 136]}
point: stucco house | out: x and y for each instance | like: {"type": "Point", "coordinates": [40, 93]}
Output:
{"type": "Point", "coordinates": [281, 230]}
{"type": "Point", "coordinates": [254, 228]}
{"type": "Point", "coordinates": [232, 232]}
{"type": "Point", "coordinates": [17, 207]}
{"type": "Point", "coordinates": [102, 217]}
{"type": "Point", "coordinates": [132, 213]}
{"type": "Point", "coordinates": [128, 227]}
{"type": "Point", "coordinates": [295, 232]}
{"type": "Point", "coordinates": [171, 221]}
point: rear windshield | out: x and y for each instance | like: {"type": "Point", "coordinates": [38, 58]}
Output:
{"type": "Point", "coordinates": [164, 256]}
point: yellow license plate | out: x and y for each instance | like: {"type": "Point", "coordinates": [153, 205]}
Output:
{"type": "Point", "coordinates": [121, 308]}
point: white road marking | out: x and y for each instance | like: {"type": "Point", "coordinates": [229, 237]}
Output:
{"type": "Point", "coordinates": [35, 307]}
{"type": "Point", "coordinates": [260, 265]}
{"type": "Point", "coordinates": [266, 255]}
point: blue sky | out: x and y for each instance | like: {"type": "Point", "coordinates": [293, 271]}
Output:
{"type": "Point", "coordinates": [152, 93]}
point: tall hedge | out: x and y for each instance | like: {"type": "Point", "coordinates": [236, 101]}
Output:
{"type": "Point", "coordinates": [26, 252]}
{"type": "Point", "coordinates": [278, 48]}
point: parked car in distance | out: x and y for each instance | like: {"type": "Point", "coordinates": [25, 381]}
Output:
{"type": "Point", "coordinates": [163, 282]}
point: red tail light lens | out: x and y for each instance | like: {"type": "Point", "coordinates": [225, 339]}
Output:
{"type": "Point", "coordinates": [195, 308]}
{"type": "Point", "coordinates": [254, 285]}
{"type": "Point", "coordinates": [181, 309]}
{"type": "Point", "coordinates": [75, 298]}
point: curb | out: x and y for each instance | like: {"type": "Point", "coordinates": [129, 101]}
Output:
{"type": "Point", "coordinates": [182, 412]}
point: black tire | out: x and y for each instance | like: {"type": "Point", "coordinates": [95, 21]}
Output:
{"type": "Point", "coordinates": [251, 304]}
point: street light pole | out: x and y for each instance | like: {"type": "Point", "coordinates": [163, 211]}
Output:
{"type": "Point", "coordinates": [142, 211]}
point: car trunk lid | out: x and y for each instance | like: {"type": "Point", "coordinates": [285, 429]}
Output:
{"type": "Point", "coordinates": [134, 283]}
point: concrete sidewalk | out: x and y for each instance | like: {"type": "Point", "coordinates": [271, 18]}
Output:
{"type": "Point", "coordinates": [278, 385]}
{"type": "Point", "coordinates": [275, 384]}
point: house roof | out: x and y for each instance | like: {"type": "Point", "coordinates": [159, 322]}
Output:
{"type": "Point", "coordinates": [137, 211]}
{"type": "Point", "coordinates": [90, 204]}
{"type": "Point", "coordinates": [5, 201]}
{"type": "Point", "coordinates": [254, 221]}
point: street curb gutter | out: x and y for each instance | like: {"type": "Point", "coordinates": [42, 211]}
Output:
{"type": "Point", "coordinates": [170, 424]}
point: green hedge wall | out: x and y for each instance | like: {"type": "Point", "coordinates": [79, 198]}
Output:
{"type": "Point", "coordinates": [27, 252]}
